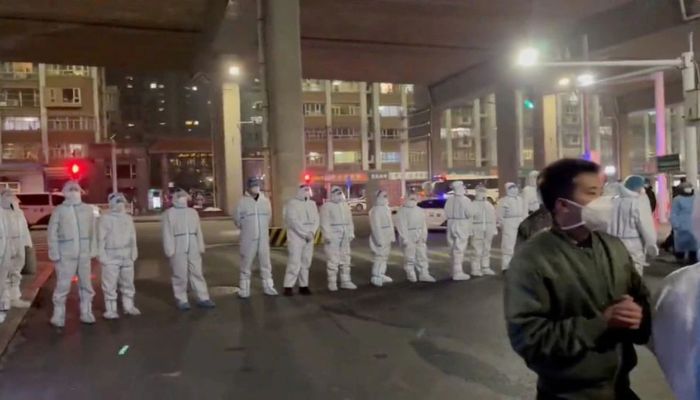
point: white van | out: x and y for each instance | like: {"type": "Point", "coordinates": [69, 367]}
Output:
{"type": "Point", "coordinates": [38, 207]}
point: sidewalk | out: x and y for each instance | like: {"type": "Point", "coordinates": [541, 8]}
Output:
{"type": "Point", "coordinates": [30, 288]}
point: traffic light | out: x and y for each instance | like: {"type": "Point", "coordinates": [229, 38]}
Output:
{"type": "Point", "coordinates": [307, 178]}
{"type": "Point", "coordinates": [529, 104]}
{"type": "Point", "coordinates": [75, 170]}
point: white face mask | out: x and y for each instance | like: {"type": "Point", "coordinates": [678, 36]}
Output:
{"type": "Point", "coordinates": [337, 197]}
{"type": "Point", "coordinates": [74, 196]}
{"type": "Point", "coordinates": [254, 190]}
{"type": "Point", "coordinates": [480, 196]}
{"type": "Point", "coordinates": [6, 202]}
{"type": "Point", "coordinates": [180, 202]}
{"type": "Point", "coordinates": [303, 194]}
{"type": "Point", "coordinates": [512, 191]}
{"type": "Point", "coordinates": [597, 214]}
{"type": "Point", "coordinates": [460, 190]}
{"type": "Point", "coordinates": [382, 201]}
{"type": "Point", "coordinates": [119, 207]}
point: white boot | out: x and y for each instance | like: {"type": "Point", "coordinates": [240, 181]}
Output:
{"type": "Point", "coordinates": [376, 279]}
{"type": "Point", "coordinates": [129, 307]}
{"type": "Point", "coordinates": [411, 274]}
{"type": "Point", "coordinates": [488, 271]}
{"type": "Point", "coordinates": [244, 285]}
{"type": "Point", "coordinates": [58, 319]}
{"type": "Point", "coordinates": [86, 315]}
{"type": "Point", "coordinates": [458, 274]}
{"type": "Point", "coordinates": [425, 276]}
{"type": "Point", "coordinates": [269, 287]}
{"type": "Point", "coordinates": [110, 310]}
{"type": "Point", "coordinates": [387, 279]}
{"type": "Point", "coordinates": [476, 271]}
{"type": "Point", "coordinates": [3, 315]}
{"type": "Point", "coordinates": [345, 280]}
{"type": "Point", "coordinates": [19, 303]}
{"type": "Point", "coordinates": [332, 281]}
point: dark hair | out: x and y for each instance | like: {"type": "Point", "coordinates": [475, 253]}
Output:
{"type": "Point", "coordinates": [557, 179]}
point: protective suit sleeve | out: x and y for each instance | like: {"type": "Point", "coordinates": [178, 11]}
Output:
{"type": "Point", "coordinates": [533, 334]}
{"type": "Point", "coordinates": [102, 232]}
{"type": "Point", "coordinates": [425, 232]}
{"type": "Point", "coordinates": [401, 226]}
{"type": "Point", "coordinates": [24, 232]}
{"type": "Point", "coordinates": [375, 229]}
{"type": "Point", "coordinates": [348, 214]}
{"type": "Point", "coordinates": [491, 218]}
{"type": "Point", "coordinates": [238, 216]}
{"type": "Point", "coordinates": [93, 236]}
{"type": "Point", "coordinates": [52, 236]}
{"type": "Point", "coordinates": [645, 224]}
{"type": "Point", "coordinates": [500, 212]}
{"type": "Point", "coordinates": [326, 230]}
{"type": "Point", "coordinates": [316, 218]}
{"type": "Point", "coordinates": [200, 235]}
{"type": "Point", "coordinates": [134, 242]}
{"type": "Point", "coordinates": [167, 233]}
{"type": "Point", "coordinates": [293, 222]}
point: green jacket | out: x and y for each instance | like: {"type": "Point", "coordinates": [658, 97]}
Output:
{"type": "Point", "coordinates": [556, 292]}
{"type": "Point", "coordinates": [534, 223]}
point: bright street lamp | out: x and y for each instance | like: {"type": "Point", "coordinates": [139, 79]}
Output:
{"type": "Point", "coordinates": [234, 70]}
{"type": "Point", "coordinates": [528, 57]}
{"type": "Point", "coordinates": [585, 80]}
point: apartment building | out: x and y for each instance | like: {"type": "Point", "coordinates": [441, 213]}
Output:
{"type": "Point", "coordinates": [356, 130]}
{"type": "Point", "coordinates": [49, 114]}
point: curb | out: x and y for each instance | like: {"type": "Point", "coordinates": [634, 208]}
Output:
{"type": "Point", "coordinates": [30, 289]}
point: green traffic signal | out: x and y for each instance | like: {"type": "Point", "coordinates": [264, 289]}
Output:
{"type": "Point", "coordinates": [529, 104]}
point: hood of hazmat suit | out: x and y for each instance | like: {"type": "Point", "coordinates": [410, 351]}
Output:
{"type": "Point", "coordinates": [676, 331]}
{"type": "Point", "coordinates": [73, 193]}
{"type": "Point", "coordinates": [116, 233]}
{"type": "Point", "coordinates": [459, 188]}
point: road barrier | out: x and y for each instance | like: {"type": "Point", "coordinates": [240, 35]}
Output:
{"type": "Point", "coordinates": [278, 237]}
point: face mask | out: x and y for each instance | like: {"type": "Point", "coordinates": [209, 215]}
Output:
{"type": "Point", "coordinates": [180, 202]}
{"type": "Point", "coordinates": [512, 191]}
{"type": "Point", "coordinates": [74, 196]}
{"type": "Point", "coordinates": [15, 204]}
{"type": "Point", "coordinates": [576, 219]}
{"type": "Point", "coordinates": [460, 190]}
{"type": "Point", "coordinates": [254, 190]}
{"type": "Point", "coordinates": [337, 197]}
{"type": "Point", "coordinates": [480, 196]}
{"type": "Point", "coordinates": [596, 214]}
{"type": "Point", "coordinates": [120, 207]}
{"type": "Point", "coordinates": [383, 201]}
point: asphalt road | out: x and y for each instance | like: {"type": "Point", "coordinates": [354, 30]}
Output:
{"type": "Point", "coordinates": [405, 341]}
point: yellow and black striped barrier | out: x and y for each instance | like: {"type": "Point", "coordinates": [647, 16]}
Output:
{"type": "Point", "coordinates": [278, 237]}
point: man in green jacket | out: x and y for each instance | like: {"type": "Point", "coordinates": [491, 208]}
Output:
{"type": "Point", "coordinates": [574, 303]}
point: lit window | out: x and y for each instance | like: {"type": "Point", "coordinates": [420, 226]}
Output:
{"type": "Point", "coordinates": [20, 124]}
{"type": "Point", "coordinates": [346, 157]}
{"type": "Point", "coordinates": [162, 124]}
{"type": "Point", "coordinates": [130, 124]}
{"type": "Point", "coordinates": [391, 157]}
{"type": "Point", "coordinates": [386, 88]}
{"type": "Point", "coordinates": [161, 86]}
{"type": "Point", "coordinates": [162, 101]}
{"type": "Point", "coordinates": [161, 109]}
{"type": "Point", "coordinates": [188, 122]}
{"type": "Point", "coordinates": [129, 86]}
{"type": "Point", "coordinates": [154, 85]}
{"type": "Point", "coordinates": [194, 88]}
{"type": "Point", "coordinates": [129, 78]}
{"type": "Point", "coordinates": [390, 111]}
{"type": "Point", "coordinates": [195, 123]}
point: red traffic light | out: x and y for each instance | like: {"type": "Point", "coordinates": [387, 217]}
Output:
{"type": "Point", "coordinates": [307, 178]}
{"type": "Point", "coordinates": [75, 169]}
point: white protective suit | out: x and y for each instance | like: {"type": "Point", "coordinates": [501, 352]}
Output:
{"type": "Point", "coordinates": [338, 232]}
{"type": "Point", "coordinates": [302, 221]}
{"type": "Point", "coordinates": [252, 217]}
{"type": "Point", "coordinates": [676, 331]}
{"type": "Point", "coordinates": [458, 214]}
{"type": "Point", "coordinates": [183, 244]}
{"type": "Point", "coordinates": [530, 197]}
{"type": "Point", "coordinates": [117, 252]}
{"type": "Point", "coordinates": [483, 231]}
{"type": "Point", "coordinates": [72, 240]}
{"type": "Point", "coordinates": [4, 269]}
{"type": "Point", "coordinates": [633, 223]}
{"type": "Point", "coordinates": [510, 214]}
{"type": "Point", "coordinates": [381, 238]}
{"type": "Point", "coordinates": [413, 234]}
{"type": "Point", "coordinates": [18, 238]}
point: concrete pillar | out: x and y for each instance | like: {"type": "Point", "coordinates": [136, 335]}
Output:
{"type": "Point", "coordinates": [376, 126]}
{"type": "Point", "coordinates": [660, 105]}
{"type": "Point", "coordinates": [539, 137]}
{"type": "Point", "coordinates": [435, 144]}
{"type": "Point", "coordinates": [329, 127]}
{"type": "Point", "coordinates": [647, 133]}
{"type": "Point", "coordinates": [364, 126]}
{"type": "Point", "coordinates": [624, 139]}
{"type": "Point", "coordinates": [448, 139]}
{"type": "Point", "coordinates": [691, 131]}
{"type": "Point", "coordinates": [95, 74]}
{"type": "Point", "coordinates": [227, 149]}
{"type": "Point", "coordinates": [560, 124]}
{"type": "Point", "coordinates": [594, 113]}
{"type": "Point", "coordinates": [476, 130]}
{"type": "Point", "coordinates": [142, 182]}
{"type": "Point", "coordinates": [283, 72]}
{"type": "Point", "coordinates": [43, 114]}
{"type": "Point", "coordinates": [164, 174]}
{"type": "Point", "coordinates": [520, 126]}
{"type": "Point", "coordinates": [491, 129]}
{"type": "Point", "coordinates": [549, 138]}
{"type": "Point", "coordinates": [679, 131]}
{"type": "Point", "coordinates": [507, 131]}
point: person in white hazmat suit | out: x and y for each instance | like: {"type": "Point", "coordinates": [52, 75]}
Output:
{"type": "Point", "coordinates": [530, 197]}
{"type": "Point", "coordinates": [117, 252]}
{"type": "Point", "coordinates": [252, 217]}
{"type": "Point", "coordinates": [183, 244]}
{"type": "Point", "coordinates": [676, 331]}
{"type": "Point", "coordinates": [381, 238]}
{"type": "Point", "coordinates": [458, 214]}
{"type": "Point", "coordinates": [72, 240]}
{"type": "Point", "coordinates": [483, 231]}
{"type": "Point", "coordinates": [18, 238]}
{"type": "Point", "coordinates": [510, 213]}
{"type": "Point", "coordinates": [413, 235]}
{"type": "Point", "coordinates": [338, 232]}
{"type": "Point", "coordinates": [302, 221]}
{"type": "Point", "coordinates": [633, 223]}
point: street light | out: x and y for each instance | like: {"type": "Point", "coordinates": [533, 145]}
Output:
{"type": "Point", "coordinates": [564, 82]}
{"type": "Point", "coordinates": [584, 80]}
{"type": "Point", "coordinates": [234, 70]}
{"type": "Point", "coordinates": [528, 57]}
